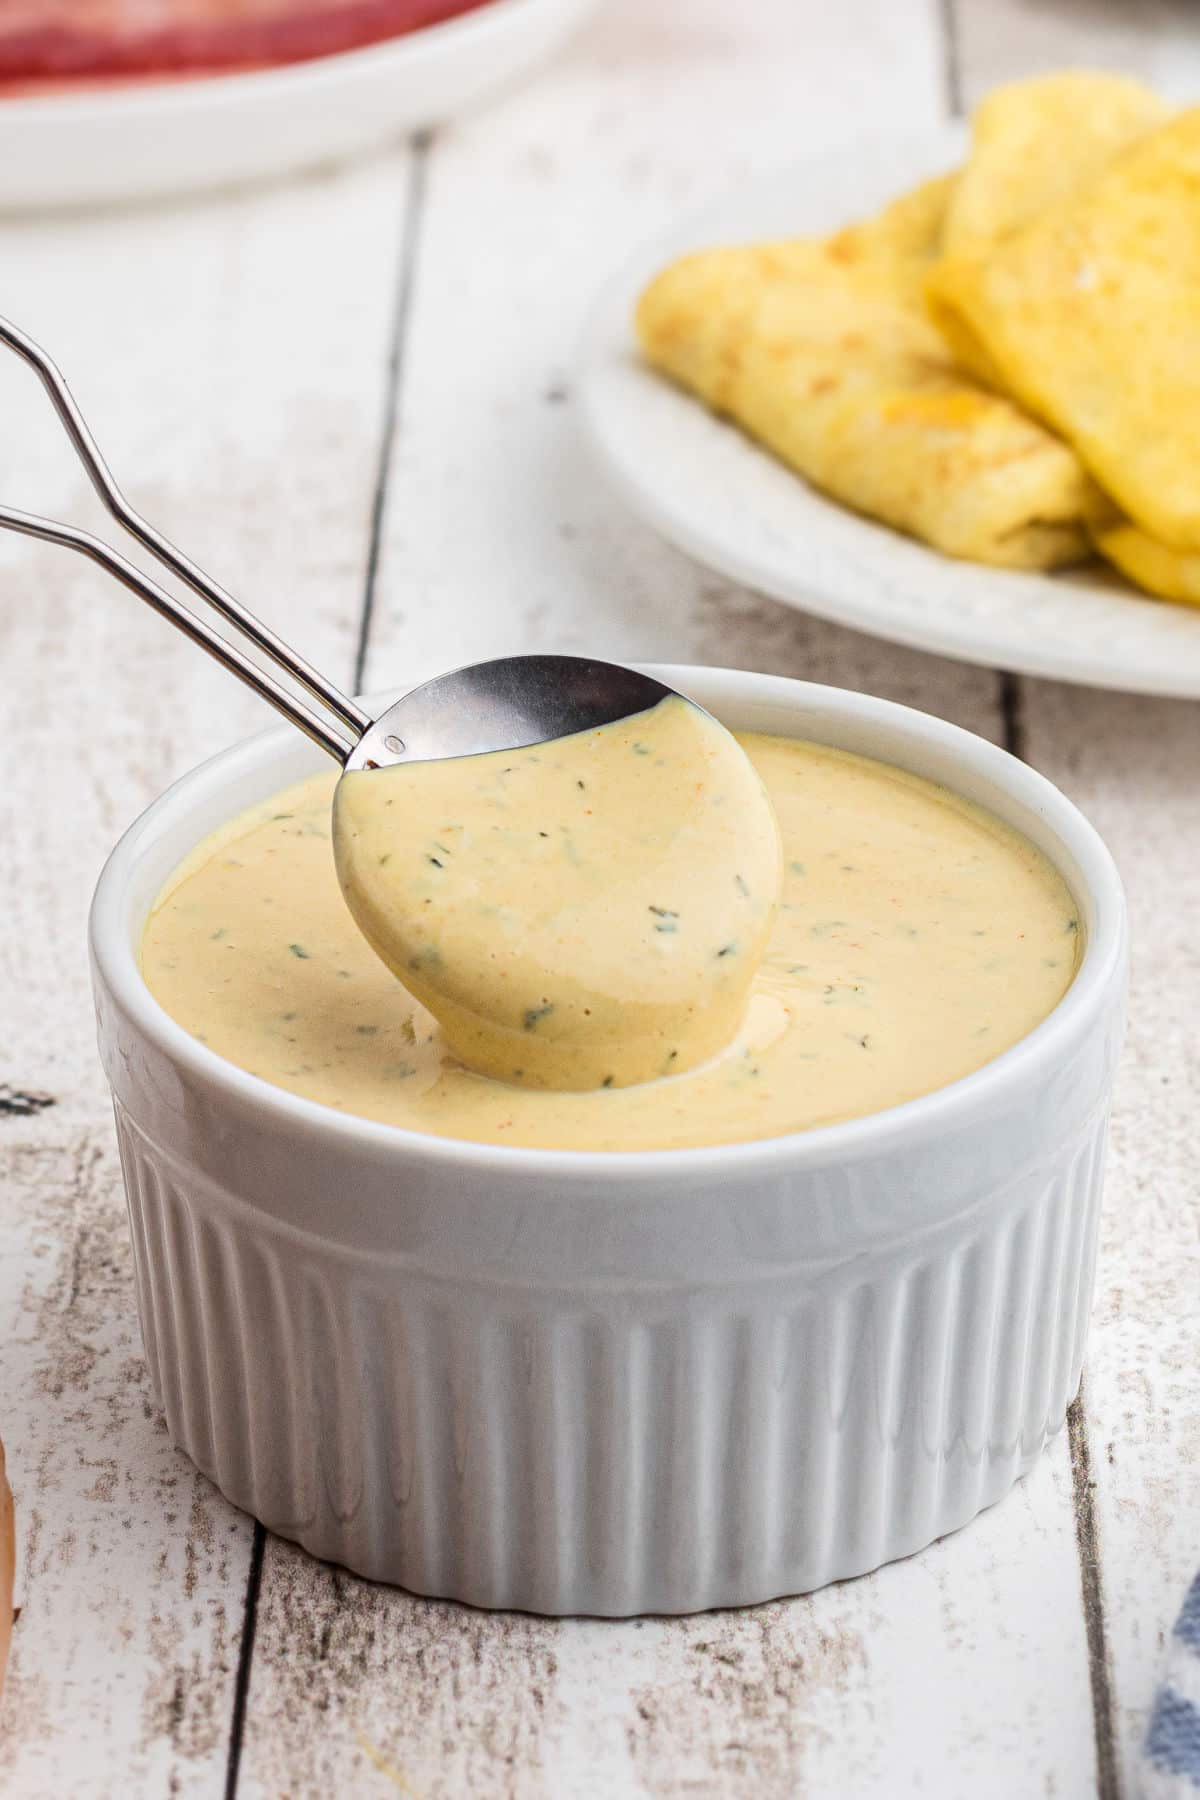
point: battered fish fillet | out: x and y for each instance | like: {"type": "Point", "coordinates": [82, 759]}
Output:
{"type": "Point", "coordinates": [1171, 574]}
{"type": "Point", "coordinates": [1090, 317]}
{"type": "Point", "coordinates": [822, 350]}
{"type": "Point", "coordinates": [1034, 143]}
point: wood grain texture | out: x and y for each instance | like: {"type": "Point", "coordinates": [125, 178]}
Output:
{"type": "Point", "coordinates": [500, 533]}
{"type": "Point", "coordinates": [922, 1679]}
{"type": "Point", "coordinates": [234, 378]}
{"type": "Point", "coordinates": [1003, 40]}
{"type": "Point", "coordinates": [239, 357]}
{"type": "Point", "coordinates": [8, 1557]}
{"type": "Point", "coordinates": [499, 537]}
{"type": "Point", "coordinates": [1127, 762]}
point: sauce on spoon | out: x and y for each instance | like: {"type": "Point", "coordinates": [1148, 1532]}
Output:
{"type": "Point", "coordinates": [917, 938]}
{"type": "Point", "coordinates": [585, 913]}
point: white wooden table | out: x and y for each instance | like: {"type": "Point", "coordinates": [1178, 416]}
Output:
{"type": "Point", "coordinates": [351, 398]}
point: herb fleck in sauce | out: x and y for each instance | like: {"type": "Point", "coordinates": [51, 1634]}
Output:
{"type": "Point", "coordinates": [951, 939]}
{"type": "Point", "coordinates": [557, 914]}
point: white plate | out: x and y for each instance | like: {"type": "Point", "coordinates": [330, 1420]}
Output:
{"type": "Point", "coordinates": [151, 139]}
{"type": "Point", "coordinates": [709, 490]}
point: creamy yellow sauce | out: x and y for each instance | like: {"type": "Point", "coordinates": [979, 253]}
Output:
{"type": "Point", "coordinates": [585, 913]}
{"type": "Point", "coordinates": [916, 938]}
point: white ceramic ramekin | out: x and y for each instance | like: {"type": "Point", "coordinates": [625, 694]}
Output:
{"type": "Point", "coordinates": [651, 1381]}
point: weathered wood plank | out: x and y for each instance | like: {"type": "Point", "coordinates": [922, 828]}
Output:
{"type": "Point", "coordinates": [930, 1676]}
{"type": "Point", "coordinates": [501, 532]}
{"type": "Point", "coordinates": [498, 538]}
{"type": "Point", "coordinates": [1129, 763]}
{"type": "Point", "coordinates": [1003, 40]}
{"type": "Point", "coordinates": [926, 1678]}
{"type": "Point", "coordinates": [231, 357]}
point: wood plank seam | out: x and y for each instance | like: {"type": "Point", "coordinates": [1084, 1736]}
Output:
{"type": "Point", "coordinates": [414, 206]}
{"type": "Point", "coordinates": [241, 1689]}
{"type": "Point", "coordinates": [951, 58]}
{"type": "Point", "coordinates": [1087, 1538]}
{"type": "Point", "coordinates": [422, 145]}
{"type": "Point", "coordinates": [1012, 713]}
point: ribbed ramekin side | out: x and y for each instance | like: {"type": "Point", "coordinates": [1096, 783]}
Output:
{"type": "Point", "coordinates": [135, 1169]}
{"type": "Point", "coordinates": [639, 1448]}
{"type": "Point", "coordinates": [1086, 1208]}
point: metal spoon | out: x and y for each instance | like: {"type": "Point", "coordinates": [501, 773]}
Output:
{"type": "Point", "coordinates": [501, 705]}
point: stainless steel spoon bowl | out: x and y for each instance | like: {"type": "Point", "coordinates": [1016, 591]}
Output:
{"type": "Point", "coordinates": [504, 705]}
{"type": "Point", "coordinates": [501, 705]}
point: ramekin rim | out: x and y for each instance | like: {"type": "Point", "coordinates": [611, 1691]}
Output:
{"type": "Point", "coordinates": [929, 1115]}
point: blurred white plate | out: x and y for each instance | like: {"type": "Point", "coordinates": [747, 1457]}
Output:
{"type": "Point", "coordinates": [733, 507]}
{"type": "Point", "coordinates": [150, 139]}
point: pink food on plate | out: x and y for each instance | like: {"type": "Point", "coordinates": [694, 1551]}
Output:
{"type": "Point", "coordinates": [45, 44]}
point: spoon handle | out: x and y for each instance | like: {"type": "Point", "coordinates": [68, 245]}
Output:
{"type": "Point", "coordinates": [351, 722]}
